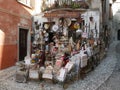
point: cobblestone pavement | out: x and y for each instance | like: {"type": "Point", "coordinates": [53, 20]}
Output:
{"type": "Point", "coordinates": [92, 81]}
{"type": "Point", "coordinates": [113, 82]}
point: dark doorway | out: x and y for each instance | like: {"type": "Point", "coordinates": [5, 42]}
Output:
{"type": "Point", "coordinates": [119, 34]}
{"type": "Point", "coordinates": [23, 33]}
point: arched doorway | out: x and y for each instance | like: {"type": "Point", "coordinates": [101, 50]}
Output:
{"type": "Point", "coordinates": [118, 34]}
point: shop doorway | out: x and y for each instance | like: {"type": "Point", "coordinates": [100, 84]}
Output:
{"type": "Point", "coordinates": [118, 34]}
{"type": "Point", "coordinates": [23, 38]}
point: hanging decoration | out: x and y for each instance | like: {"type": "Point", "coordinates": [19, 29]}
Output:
{"type": "Point", "coordinates": [73, 4]}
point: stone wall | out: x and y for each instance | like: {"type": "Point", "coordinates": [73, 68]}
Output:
{"type": "Point", "coordinates": [115, 20]}
{"type": "Point", "coordinates": [12, 16]}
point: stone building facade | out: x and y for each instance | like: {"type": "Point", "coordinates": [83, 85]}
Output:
{"type": "Point", "coordinates": [114, 21]}
{"type": "Point", "coordinates": [16, 25]}
{"type": "Point", "coordinates": [15, 19]}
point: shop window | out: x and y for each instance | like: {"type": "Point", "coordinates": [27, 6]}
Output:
{"type": "Point", "coordinates": [29, 3]}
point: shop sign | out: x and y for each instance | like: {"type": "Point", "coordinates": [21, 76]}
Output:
{"type": "Point", "coordinates": [63, 14]}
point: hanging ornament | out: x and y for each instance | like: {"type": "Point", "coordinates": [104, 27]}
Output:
{"type": "Point", "coordinates": [76, 25]}
{"type": "Point", "coordinates": [46, 26]}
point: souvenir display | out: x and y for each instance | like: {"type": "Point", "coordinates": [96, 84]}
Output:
{"type": "Point", "coordinates": [62, 50]}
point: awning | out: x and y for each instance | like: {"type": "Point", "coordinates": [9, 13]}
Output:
{"type": "Point", "coordinates": [64, 13]}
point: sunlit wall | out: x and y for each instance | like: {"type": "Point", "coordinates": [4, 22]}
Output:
{"type": "Point", "coordinates": [116, 7]}
{"type": "Point", "coordinates": [2, 38]}
{"type": "Point", "coordinates": [116, 18]}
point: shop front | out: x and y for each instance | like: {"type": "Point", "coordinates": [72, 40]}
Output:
{"type": "Point", "coordinates": [65, 46]}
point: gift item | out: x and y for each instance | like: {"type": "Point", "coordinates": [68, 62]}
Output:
{"type": "Point", "coordinates": [91, 41]}
{"type": "Point", "coordinates": [79, 32]}
{"type": "Point", "coordinates": [27, 60]}
{"type": "Point", "coordinates": [84, 60]}
{"type": "Point", "coordinates": [48, 62]}
{"type": "Point", "coordinates": [89, 51]}
{"type": "Point", "coordinates": [46, 26]}
{"type": "Point", "coordinates": [48, 73]}
{"type": "Point", "coordinates": [76, 25]}
{"type": "Point", "coordinates": [34, 74]}
{"type": "Point", "coordinates": [55, 28]}
{"type": "Point", "coordinates": [65, 31]}
{"type": "Point", "coordinates": [92, 28]}
{"type": "Point", "coordinates": [42, 69]}
{"type": "Point", "coordinates": [47, 76]}
{"type": "Point", "coordinates": [84, 35]}
{"type": "Point", "coordinates": [71, 42]}
{"type": "Point", "coordinates": [62, 74]}
{"type": "Point", "coordinates": [78, 45]}
{"type": "Point", "coordinates": [69, 66]}
{"type": "Point", "coordinates": [77, 61]}
{"type": "Point", "coordinates": [59, 63]}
